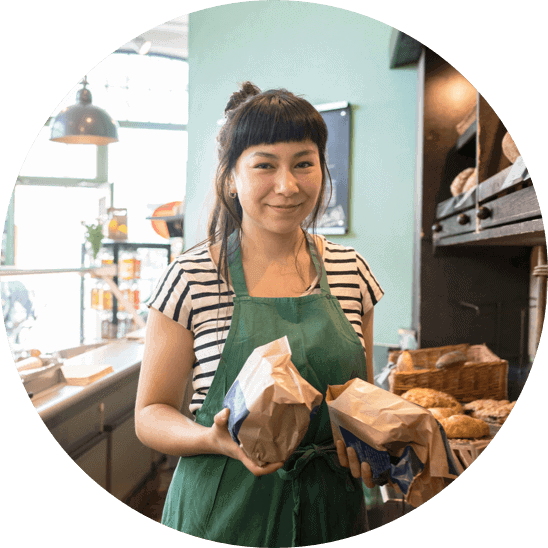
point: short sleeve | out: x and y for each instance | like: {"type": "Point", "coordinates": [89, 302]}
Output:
{"type": "Point", "coordinates": [371, 291]}
{"type": "Point", "coordinates": [171, 295]}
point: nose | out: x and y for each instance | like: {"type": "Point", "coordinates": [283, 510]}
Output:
{"type": "Point", "coordinates": [286, 183]}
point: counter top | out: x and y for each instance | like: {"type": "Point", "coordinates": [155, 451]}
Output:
{"type": "Point", "coordinates": [124, 356]}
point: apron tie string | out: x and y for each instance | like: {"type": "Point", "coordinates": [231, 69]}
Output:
{"type": "Point", "coordinates": [295, 465]}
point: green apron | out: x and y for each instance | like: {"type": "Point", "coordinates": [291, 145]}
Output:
{"type": "Point", "coordinates": [312, 499]}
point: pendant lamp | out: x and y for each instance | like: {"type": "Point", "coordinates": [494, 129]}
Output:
{"type": "Point", "coordinates": [84, 123]}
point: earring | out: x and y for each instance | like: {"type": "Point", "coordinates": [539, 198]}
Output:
{"type": "Point", "coordinates": [233, 195]}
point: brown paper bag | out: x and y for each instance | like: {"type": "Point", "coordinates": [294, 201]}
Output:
{"type": "Point", "coordinates": [400, 440]}
{"type": "Point", "coordinates": [270, 404]}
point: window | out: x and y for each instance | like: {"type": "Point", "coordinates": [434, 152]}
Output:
{"type": "Point", "coordinates": [60, 185]}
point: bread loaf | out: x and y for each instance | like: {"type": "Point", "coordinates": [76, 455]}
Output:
{"type": "Point", "coordinates": [463, 426]}
{"type": "Point", "coordinates": [29, 363]}
{"type": "Point", "coordinates": [509, 148]}
{"type": "Point", "coordinates": [451, 359]}
{"type": "Point", "coordinates": [457, 186]}
{"type": "Point", "coordinates": [427, 397]}
{"type": "Point", "coordinates": [405, 362]}
{"type": "Point", "coordinates": [471, 182]}
{"type": "Point", "coordinates": [490, 410]}
{"type": "Point", "coordinates": [442, 412]}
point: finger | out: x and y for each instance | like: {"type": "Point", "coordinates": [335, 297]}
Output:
{"type": "Point", "coordinates": [367, 475]}
{"type": "Point", "coordinates": [261, 470]}
{"type": "Point", "coordinates": [222, 416]}
{"type": "Point", "coordinates": [269, 468]}
{"type": "Point", "coordinates": [353, 462]}
{"type": "Point", "coordinates": [341, 453]}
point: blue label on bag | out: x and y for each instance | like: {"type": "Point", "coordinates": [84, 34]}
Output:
{"type": "Point", "coordinates": [235, 401]}
{"type": "Point", "coordinates": [406, 469]}
{"type": "Point", "coordinates": [378, 460]}
{"type": "Point", "coordinates": [400, 470]}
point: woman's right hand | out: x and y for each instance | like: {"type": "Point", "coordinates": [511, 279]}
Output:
{"type": "Point", "coordinates": [227, 446]}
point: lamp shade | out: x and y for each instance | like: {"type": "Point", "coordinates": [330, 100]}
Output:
{"type": "Point", "coordinates": [84, 123]}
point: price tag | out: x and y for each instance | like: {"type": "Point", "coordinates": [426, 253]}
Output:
{"type": "Point", "coordinates": [517, 172]}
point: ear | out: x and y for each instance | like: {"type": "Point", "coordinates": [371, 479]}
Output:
{"type": "Point", "coordinates": [232, 185]}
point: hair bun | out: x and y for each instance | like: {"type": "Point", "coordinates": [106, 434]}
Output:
{"type": "Point", "coordinates": [247, 89]}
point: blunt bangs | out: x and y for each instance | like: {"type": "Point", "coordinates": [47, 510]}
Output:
{"type": "Point", "coordinates": [274, 119]}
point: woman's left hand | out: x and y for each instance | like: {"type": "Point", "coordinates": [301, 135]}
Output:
{"type": "Point", "coordinates": [349, 459]}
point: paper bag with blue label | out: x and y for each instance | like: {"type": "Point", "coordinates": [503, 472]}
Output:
{"type": "Point", "coordinates": [402, 442]}
{"type": "Point", "coordinates": [270, 404]}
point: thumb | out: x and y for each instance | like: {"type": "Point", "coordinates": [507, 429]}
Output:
{"type": "Point", "coordinates": [222, 416]}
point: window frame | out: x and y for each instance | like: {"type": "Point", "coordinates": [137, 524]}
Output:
{"type": "Point", "coordinates": [100, 181]}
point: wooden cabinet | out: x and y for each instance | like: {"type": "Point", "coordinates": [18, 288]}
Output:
{"type": "Point", "coordinates": [93, 460]}
{"type": "Point", "coordinates": [130, 460]}
{"type": "Point", "coordinates": [99, 435]}
{"type": "Point", "coordinates": [473, 252]}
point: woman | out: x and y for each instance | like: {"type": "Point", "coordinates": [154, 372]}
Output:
{"type": "Point", "coordinates": [258, 277]}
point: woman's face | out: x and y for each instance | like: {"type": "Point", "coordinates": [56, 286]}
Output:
{"type": "Point", "coordinates": [278, 185]}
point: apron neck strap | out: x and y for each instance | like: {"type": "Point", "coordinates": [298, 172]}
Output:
{"type": "Point", "coordinates": [235, 265]}
{"type": "Point", "coordinates": [236, 268]}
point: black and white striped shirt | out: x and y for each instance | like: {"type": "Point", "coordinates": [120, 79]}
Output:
{"type": "Point", "coordinates": [188, 292]}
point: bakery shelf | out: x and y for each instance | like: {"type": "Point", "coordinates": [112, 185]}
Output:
{"type": "Point", "coordinates": [527, 233]}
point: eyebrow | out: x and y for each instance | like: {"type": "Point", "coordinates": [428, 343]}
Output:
{"type": "Point", "coordinates": [274, 156]}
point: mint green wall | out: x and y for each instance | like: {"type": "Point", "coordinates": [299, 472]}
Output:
{"type": "Point", "coordinates": [326, 54]}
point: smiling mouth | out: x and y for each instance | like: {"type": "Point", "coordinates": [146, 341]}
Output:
{"type": "Point", "coordinates": [283, 207]}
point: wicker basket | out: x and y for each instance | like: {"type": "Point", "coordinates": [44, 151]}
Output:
{"type": "Point", "coordinates": [483, 376]}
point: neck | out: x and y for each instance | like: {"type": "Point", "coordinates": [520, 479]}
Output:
{"type": "Point", "coordinates": [274, 247]}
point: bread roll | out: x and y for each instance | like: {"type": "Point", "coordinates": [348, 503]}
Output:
{"type": "Point", "coordinates": [463, 426]}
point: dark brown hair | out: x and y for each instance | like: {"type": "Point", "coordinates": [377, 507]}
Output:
{"type": "Point", "coordinates": [254, 117]}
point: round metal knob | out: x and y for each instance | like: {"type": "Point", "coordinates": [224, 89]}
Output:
{"type": "Point", "coordinates": [463, 219]}
{"type": "Point", "coordinates": [436, 227]}
{"type": "Point", "coordinates": [483, 212]}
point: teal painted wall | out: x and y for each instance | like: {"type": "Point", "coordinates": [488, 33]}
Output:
{"type": "Point", "coordinates": [326, 54]}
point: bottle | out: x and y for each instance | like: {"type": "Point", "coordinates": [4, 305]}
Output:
{"type": "Point", "coordinates": [137, 264]}
{"type": "Point", "coordinates": [95, 296]}
{"type": "Point", "coordinates": [136, 296]}
{"type": "Point", "coordinates": [106, 325]}
{"type": "Point", "coordinates": [105, 297]}
{"type": "Point", "coordinates": [127, 266]}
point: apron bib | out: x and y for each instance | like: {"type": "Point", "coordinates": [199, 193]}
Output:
{"type": "Point", "coordinates": [312, 499]}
